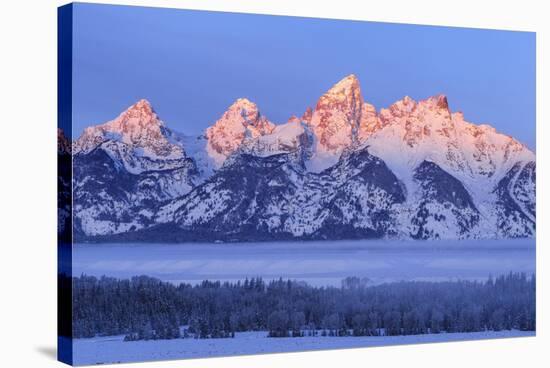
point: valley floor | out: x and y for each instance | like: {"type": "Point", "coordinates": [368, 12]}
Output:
{"type": "Point", "coordinates": [114, 350]}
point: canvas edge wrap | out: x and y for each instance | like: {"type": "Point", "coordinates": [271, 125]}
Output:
{"type": "Point", "coordinates": [64, 167]}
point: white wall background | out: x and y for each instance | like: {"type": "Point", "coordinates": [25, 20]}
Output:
{"type": "Point", "coordinates": [28, 180]}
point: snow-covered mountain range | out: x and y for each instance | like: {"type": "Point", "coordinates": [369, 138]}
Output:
{"type": "Point", "coordinates": [64, 195]}
{"type": "Point", "coordinates": [342, 170]}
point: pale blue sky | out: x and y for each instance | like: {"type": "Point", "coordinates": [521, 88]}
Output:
{"type": "Point", "coordinates": [192, 65]}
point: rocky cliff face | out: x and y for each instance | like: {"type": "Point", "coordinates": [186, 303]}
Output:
{"type": "Point", "coordinates": [240, 123]}
{"type": "Point", "coordinates": [64, 197]}
{"type": "Point", "coordinates": [337, 116]}
{"type": "Point", "coordinates": [342, 170]}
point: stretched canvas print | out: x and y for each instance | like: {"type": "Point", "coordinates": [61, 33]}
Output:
{"type": "Point", "coordinates": [240, 184]}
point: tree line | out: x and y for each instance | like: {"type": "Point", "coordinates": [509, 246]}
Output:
{"type": "Point", "coordinates": [146, 308]}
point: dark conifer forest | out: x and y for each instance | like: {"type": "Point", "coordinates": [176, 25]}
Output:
{"type": "Point", "coordinates": [144, 308]}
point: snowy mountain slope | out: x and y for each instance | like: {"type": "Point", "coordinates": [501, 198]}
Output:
{"type": "Point", "coordinates": [108, 199]}
{"type": "Point", "coordinates": [139, 129]}
{"type": "Point", "coordinates": [444, 208]}
{"type": "Point", "coordinates": [124, 168]}
{"type": "Point", "coordinates": [515, 205]}
{"type": "Point", "coordinates": [342, 170]}
{"type": "Point", "coordinates": [293, 136]}
{"type": "Point", "coordinates": [274, 197]}
{"type": "Point", "coordinates": [478, 156]}
{"type": "Point", "coordinates": [524, 190]}
{"type": "Point", "coordinates": [364, 198]}
{"type": "Point", "coordinates": [426, 130]}
{"type": "Point", "coordinates": [244, 199]}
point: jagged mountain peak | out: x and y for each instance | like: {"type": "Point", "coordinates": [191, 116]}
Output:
{"type": "Point", "coordinates": [245, 108]}
{"type": "Point", "coordinates": [457, 116]}
{"type": "Point", "coordinates": [337, 116]}
{"type": "Point", "coordinates": [407, 105]}
{"type": "Point", "coordinates": [439, 101]}
{"type": "Point", "coordinates": [293, 119]}
{"type": "Point", "coordinates": [345, 84]}
{"type": "Point", "coordinates": [307, 115]}
{"type": "Point", "coordinates": [240, 121]}
{"type": "Point", "coordinates": [343, 169]}
{"type": "Point", "coordinates": [430, 111]}
{"type": "Point", "coordinates": [138, 128]}
{"type": "Point", "coordinates": [136, 118]}
{"type": "Point", "coordinates": [408, 100]}
{"type": "Point", "coordinates": [399, 109]}
{"type": "Point", "coordinates": [63, 143]}
{"type": "Point", "coordinates": [349, 80]}
{"type": "Point", "coordinates": [245, 113]}
{"type": "Point", "coordinates": [428, 130]}
{"type": "Point", "coordinates": [143, 106]}
{"type": "Point", "coordinates": [347, 90]}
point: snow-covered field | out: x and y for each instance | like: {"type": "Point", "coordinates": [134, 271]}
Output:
{"type": "Point", "coordinates": [114, 350]}
{"type": "Point", "coordinates": [317, 262]}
